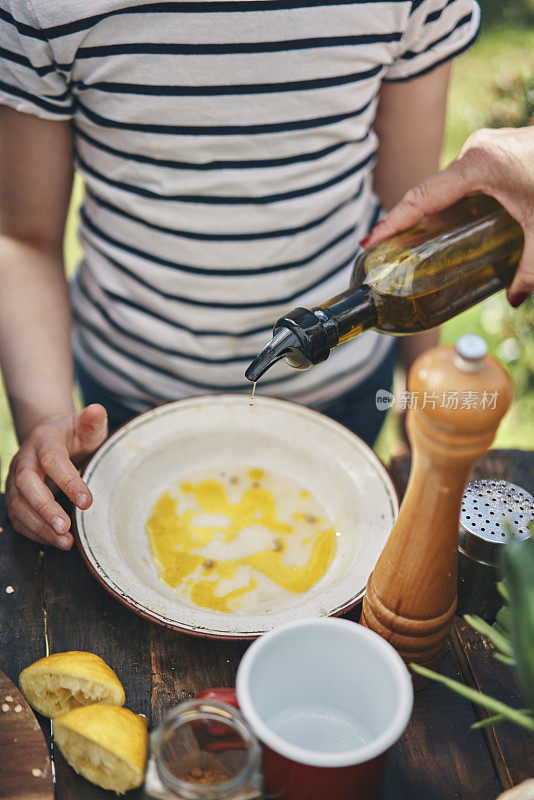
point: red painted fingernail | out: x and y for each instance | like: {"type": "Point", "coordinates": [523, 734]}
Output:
{"type": "Point", "coordinates": [518, 299]}
{"type": "Point", "coordinates": [366, 239]}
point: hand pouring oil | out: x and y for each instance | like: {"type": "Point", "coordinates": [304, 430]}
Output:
{"type": "Point", "coordinates": [408, 283]}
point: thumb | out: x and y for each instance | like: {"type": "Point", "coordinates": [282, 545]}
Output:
{"type": "Point", "coordinates": [91, 429]}
{"type": "Point", "coordinates": [523, 282]}
{"type": "Point", "coordinates": [436, 193]}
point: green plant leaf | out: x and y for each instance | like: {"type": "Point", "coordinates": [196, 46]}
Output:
{"type": "Point", "coordinates": [505, 659]}
{"type": "Point", "coordinates": [511, 714]}
{"type": "Point", "coordinates": [487, 721]}
{"type": "Point", "coordinates": [502, 621]}
{"type": "Point", "coordinates": [517, 559]}
{"type": "Point", "coordinates": [503, 591]}
{"type": "Point", "coordinates": [500, 641]}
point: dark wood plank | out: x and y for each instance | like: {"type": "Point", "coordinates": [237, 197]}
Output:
{"type": "Point", "coordinates": [22, 628]}
{"type": "Point", "coordinates": [399, 469]}
{"type": "Point", "coordinates": [184, 665]}
{"type": "Point", "coordinates": [22, 638]}
{"type": "Point", "coordinates": [21, 602]}
{"type": "Point", "coordinates": [3, 510]}
{"type": "Point", "coordinates": [511, 747]}
{"type": "Point", "coordinates": [439, 757]}
{"type": "Point", "coordinates": [516, 466]}
{"type": "Point", "coordinates": [82, 616]}
{"type": "Point", "coordinates": [25, 769]}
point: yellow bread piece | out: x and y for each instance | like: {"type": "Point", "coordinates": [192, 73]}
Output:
{"type": "Point", "coordinates": [64, 681]}
{"type": "Point", "coordinates": [107, 745]}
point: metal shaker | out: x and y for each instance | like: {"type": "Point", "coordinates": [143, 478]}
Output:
{"type": "Point", "coordinates": [486, 505]}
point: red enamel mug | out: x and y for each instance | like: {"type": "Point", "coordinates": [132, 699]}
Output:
{"type": "Point", "coordinates": [327, 699]}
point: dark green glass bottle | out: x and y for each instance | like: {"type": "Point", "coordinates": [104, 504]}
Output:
{"type": "Point", "coordinates": [411, 282]}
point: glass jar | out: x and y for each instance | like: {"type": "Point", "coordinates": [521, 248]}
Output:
{"type": "Point", "coordinates": [203, 750]}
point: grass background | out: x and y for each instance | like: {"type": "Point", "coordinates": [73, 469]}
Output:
{"type": "Point", "coordinates": [493, 83]}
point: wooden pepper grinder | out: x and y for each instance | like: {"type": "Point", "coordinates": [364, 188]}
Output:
{"type": "Point", "coordinates": [462, 394]}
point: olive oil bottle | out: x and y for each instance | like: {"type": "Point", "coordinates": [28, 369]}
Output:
{"type": "Point", "coordinates": [413, 281]}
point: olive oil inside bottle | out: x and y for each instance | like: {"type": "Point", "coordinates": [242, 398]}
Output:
{"type": "Point", "coordinates": [423, 277]}
{"type": "Point", "coordinates": [411, 282]}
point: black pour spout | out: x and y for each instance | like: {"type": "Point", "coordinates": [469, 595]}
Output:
{"type": "Point", "coordinates": [302, 337]}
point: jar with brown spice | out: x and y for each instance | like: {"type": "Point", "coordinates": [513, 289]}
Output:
{"type": "Point", "coordinates": [204, 750]}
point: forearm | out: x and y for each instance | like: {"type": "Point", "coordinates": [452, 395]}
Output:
{"type": "Point", "coordinates": [35, 186]}
{"type": "Point", "coordinates": [35, 320]}
{"type": "Point", "coordinates": [412, 346]}
{"type": "Point", "coordinates": [410, 122]}
{"type": "Point", "coordinates": [35, 345]}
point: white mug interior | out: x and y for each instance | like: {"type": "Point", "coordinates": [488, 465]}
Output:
{"type": "Point", "coordinates": [325, 692]}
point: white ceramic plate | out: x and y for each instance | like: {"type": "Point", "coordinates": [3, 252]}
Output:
{"type": "Point", "coordinates": [168, 444]}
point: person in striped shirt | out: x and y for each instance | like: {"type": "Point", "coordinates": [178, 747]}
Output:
{"type": "Point", "coordinates": [234, 154]}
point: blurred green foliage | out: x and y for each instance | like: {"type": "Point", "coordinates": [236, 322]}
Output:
{"type": "Point", "coordinates": [514, 100]}
{"type": "Point", "coordinates": [491, 85]}
{"type": "Point", "coordinates": [509, 332]}
{"type": "Point", "coordinates": [510, 336]}
{"type": "Point", "coordinates": [506, 12]}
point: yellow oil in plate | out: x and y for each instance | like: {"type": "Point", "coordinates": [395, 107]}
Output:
{"type": "Point", "coordinates": [240, 540]}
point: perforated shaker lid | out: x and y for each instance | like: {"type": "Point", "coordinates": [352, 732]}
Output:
{"type": "Point", "coordinates": [486, 505]}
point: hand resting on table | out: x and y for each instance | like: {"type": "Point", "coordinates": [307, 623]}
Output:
{"type": "Point", "coordinates": [48, 456]}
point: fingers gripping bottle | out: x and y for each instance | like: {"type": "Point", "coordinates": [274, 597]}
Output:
{"type": "Point", "coordinates": [411, 282]}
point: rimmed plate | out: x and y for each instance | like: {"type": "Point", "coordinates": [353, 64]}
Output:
{"type": "Point", "coordinates": [168, 444]}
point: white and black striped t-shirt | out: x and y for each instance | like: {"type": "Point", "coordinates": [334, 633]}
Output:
{"type": "Point", "coordinates": [227, 150]}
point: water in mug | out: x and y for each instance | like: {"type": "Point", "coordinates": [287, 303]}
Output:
{"type": "Point", "coordinates": [319, 728]}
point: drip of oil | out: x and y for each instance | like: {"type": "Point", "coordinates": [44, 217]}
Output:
{"type": "Point", "coordinates": [229, 536]}
{"type": "Point", "coordinates": [252, 394]}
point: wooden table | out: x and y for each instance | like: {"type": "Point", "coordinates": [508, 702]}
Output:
{"type": "Point", "coordinates": [438, 758]}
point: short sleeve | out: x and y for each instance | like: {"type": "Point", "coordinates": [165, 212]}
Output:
{"type": "Point", "coordinates": [29, 78]}
{"type": "Point", "coordinates": [436, 31]}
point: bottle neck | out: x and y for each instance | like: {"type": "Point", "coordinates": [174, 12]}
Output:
{"type": "Point", "coordinates": [349, 314]}
{"type": "Point", "coordinates": [318, 330]}
{"type": "Point", "coordinates": [305, 337]}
